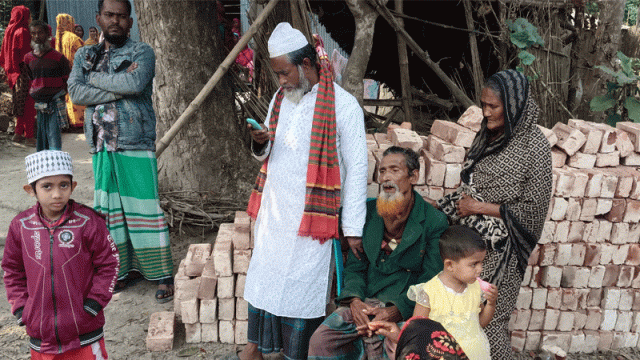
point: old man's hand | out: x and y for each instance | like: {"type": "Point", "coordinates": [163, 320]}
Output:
{"type": "Point", "coordinates": [359, 311]}
{"type": "Point", "coordinates": [355, 243]}
{"type": "Point", "coordinates": [389, 313]}
{"type": "Point", "coordinates": [260, 136]}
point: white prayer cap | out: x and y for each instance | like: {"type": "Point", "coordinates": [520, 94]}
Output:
{"type": "Point", "coordinates": [47, 163]}
{"type": "Point", "coordinates": [285, 39]}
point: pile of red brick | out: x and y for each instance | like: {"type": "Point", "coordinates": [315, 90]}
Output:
{"type": "Point", "coordinates": [209, 290]}
{"type": "Point", "coordinates": [581, 290]}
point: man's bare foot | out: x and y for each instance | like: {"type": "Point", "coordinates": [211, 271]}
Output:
{"type": "Point", "coordinates": [250, 352]}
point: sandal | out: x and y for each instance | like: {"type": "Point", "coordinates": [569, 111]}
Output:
{"type": "Point", "coordinates": [164, 295]}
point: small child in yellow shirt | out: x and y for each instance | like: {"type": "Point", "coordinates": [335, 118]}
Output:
{"type": "Point", "coordinates": [454, 297]}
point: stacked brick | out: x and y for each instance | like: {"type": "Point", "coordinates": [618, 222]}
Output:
{"type": "Point", "coordinates": [581, 290]}
{"type": "Point", "coordinates": [210, 285]}
{"type": "Point", "coordinates": [442, 153]}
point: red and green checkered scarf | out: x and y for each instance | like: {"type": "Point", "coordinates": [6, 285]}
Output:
{"type": "Point", "coordinates": [322, 199]}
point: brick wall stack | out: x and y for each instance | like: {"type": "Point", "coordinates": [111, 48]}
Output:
{"type": "Point", "coordinates": [581, 290]}
{"type": "Point", "coordinates": [210, 283]}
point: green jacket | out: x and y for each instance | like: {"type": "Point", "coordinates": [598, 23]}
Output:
{"type": "Point", "coordinates": [416, 259]}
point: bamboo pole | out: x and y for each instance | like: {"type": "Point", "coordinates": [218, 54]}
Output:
{"type": "Point", "coordinates": [403, 60]}
{"type": "Point", "coordinates": [423, 55]}
{"type": "Point", "coordinates": [476, 70]}
{"type": "Point", "coordinates": [213, 81]}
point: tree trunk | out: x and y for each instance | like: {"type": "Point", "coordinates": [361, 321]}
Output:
{"type": "Point", "coordinates": [209, 153]}
{"type": "Point", "coordinates": [365, 17]}
{"type": "Point", "coordinates": [609, 32]}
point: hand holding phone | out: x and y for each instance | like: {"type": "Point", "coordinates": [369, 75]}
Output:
{"type": "Point", "coordinates": [254, 124]}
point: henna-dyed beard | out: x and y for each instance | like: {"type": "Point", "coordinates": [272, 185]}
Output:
{"type": "Point", "coordinates": [391, 205]}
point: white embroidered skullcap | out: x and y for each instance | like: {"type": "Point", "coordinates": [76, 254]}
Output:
{"type": "Point", "coordinates": [47, 163]}
{"type": "Point", "coordinates": [285, 39]}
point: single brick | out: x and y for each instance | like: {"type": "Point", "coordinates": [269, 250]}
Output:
{"type": "Point", "coordinates": [551, 317]}
{"type": "Point", "coordinates": [610, 298]}
{"type": "Point", "coordinates": [226, 309]}
{"type": "Point", "coordinates": [623, 323]}
{"type": "Point", "coordinates": [537, 320]}
{"type": "Point", "coordinates": [578, 251]}
{"type": "Point", "coordinates": [558, 158]}
{"type": "Point", "coordinates": [242, 309]}
{"type": "Point", "coordinates": [193, 333]}
{"type": "Point", "coordinates": [609, 318]}
{"type": "Point", "coordinates": [522, 318]}
{"type": "Point", "coordinates": [454, 133]}
{"type": "Point", "coordinates": [620, 254]}
{"type": "Point", "coordinates": [626, 299]}
{"type": "Point", "coordinates": [618, 208]}
{"type": "Point", "coordinates": [207, 289]}
{"type": "Point", "coordinates": [569, 299]}
{"type": "Point", "coordinates": [577, 342]}
{"type": "Point", "coordinates": [208, 311]}
{"type": "Point", "coordinates": [594, 318]}
{"type": "Point", "coordinates": [619, 233]}
{"type": "Point", "coordinates": [611, 274]}
{"type": "Point", "coordinates": [633, 131]}
{"type": "Point", "coordinates": [160, 334]}
{"type": "Point", "coordinates": [406, 139]}
{"type": "Point", "coordinates": [554, 298]}
{"type": "Point", "coordinates": [240, 280]}
{"type": "Point", "coordinates": [209, 332]}
{"type": "Point", "coordinates": [539, 299]}
{"type": "Point", "coordinates": [518, 340]}
{"type": "Point", "coordinates": [196, 258]}
{"type": "Point", "coordinates": [472, 118]}
{"type": "Point", "coordinates": [226, 331]}
{"type": "Point", "coordinates": [551, 276]}
{"type": "Point", "coordinates": [190, 310]}
{"type": "Point", "coordinates": [626, 276]}
{"type": "Point", "coordinates": [435, 170]}
{"type": "Point", "coordinates": [608, 159]}
{"type": "Point", "coordinates": [241, 259]}
{"type": "Point", "coordinates": [533, 340]}
{"type": "Point", "coordinates": [581, 160]}
{"type": "Point", "coordinates": [592, 255]}
{"type": "Point", "coordinates": [443, 151]}
{"type": "Point", "coordinates": [241, 329]}
{"type": "Point", "coordinates": [452, 176]}
{"type": "Point", "coordinates": [226, 287]}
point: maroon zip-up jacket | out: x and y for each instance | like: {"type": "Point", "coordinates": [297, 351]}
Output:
{"type": "Point", "coordinates": [59, 280]}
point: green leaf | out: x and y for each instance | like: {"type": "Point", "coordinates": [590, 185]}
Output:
{"type": "Point", "coordinates": [626, 64]}
{"type": "Point", "coordinates": [633, 108]}
{"type": "Point", "coordinates": [607, 70]}
{"type": "Point", "coordinates": [520, 39]}
{"type": "Point", "coordinates": [526, 57]}
{"type": "Point", "coordinates": [612, 119]}
{"type": "Point", "coordinates": [602, 103]}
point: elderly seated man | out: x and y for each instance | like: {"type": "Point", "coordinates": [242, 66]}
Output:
{"type": "Point", "coordinates": [400, 242]}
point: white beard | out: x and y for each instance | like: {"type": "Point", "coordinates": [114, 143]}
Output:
{"type": "Point", "coordinates": [40, 49]}
{"type": "Point", "coordinates": [295, 95]}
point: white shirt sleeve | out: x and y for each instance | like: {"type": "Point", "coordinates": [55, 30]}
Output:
{"type": "Point", "coordinates": [353, 155]}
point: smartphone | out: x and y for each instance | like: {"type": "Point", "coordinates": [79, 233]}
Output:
{"type": "Point", "coordinates": [254, 124]}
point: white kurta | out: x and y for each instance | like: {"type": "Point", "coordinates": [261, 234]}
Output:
{"type": "Point", "coordinates": [289, 275]}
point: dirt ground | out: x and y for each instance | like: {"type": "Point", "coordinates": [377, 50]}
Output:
{"type": "Point", "coordinates": [127, 316]}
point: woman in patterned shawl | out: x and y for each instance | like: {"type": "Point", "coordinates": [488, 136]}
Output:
{"type": "Point", "coordinates": [68, 43]}
{"type": "Point", "coordinates": [505, 192]}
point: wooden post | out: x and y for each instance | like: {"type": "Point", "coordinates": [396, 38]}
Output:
{"type": "Point", "coordinates": [403, 58]}
{"type": "Point", "coordinates": [476, 70]}
{"type": "Point", "coordinates": [423, 55]}
{"type": "Point", "coordinates": [213, 81]}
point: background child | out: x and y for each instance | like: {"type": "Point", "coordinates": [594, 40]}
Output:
{"type": "Point", "coordinates": [60, 265]}
{"type": "Point", "coordinates": [49, 71]}
{"type": "Point", "coordinates": [454, 297]}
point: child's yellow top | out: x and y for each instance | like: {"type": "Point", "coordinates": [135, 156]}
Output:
{"type": "Point", "coordinates": [457, 312]}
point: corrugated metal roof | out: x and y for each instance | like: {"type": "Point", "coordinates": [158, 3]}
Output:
{"type": "Point", "coordinates": [84, 13]}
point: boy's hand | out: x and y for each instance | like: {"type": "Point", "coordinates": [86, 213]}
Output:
{"type": "Point", "coordinates": [491, 295]}
{"type": "Point", "coordinates": [386, 328]}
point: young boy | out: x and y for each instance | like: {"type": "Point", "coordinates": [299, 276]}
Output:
{"type": "Point", "coordinates": [60, 265]}
{"type": "Point", "coordinates": [49, 71]}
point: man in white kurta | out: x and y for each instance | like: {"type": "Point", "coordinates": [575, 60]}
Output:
{"type": "Point", "coordinates": [289, 275]}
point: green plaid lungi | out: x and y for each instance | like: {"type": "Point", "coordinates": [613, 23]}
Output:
{"type": "Point", "coordinates": [126, 192]}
